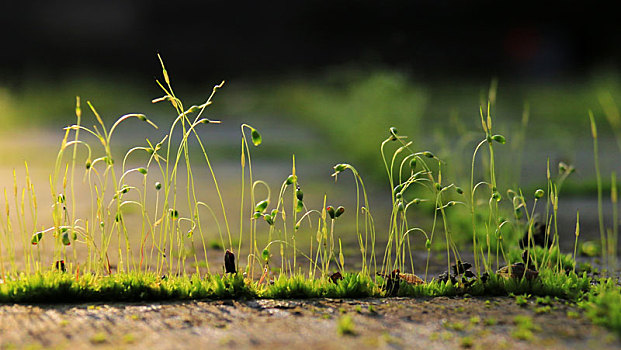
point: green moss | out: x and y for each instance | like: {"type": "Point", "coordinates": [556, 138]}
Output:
{"type": "Point", "coordinates": [522, 300]}
{"type": "Point", "coordinates": [524, 328]}
{"type": "Point", "coordinates": [466, 342]}
{"type": "Point", "coordinates": [543, 309]}
{"type": "Point", "coordinates": [55, 287]}
{"type": "Point", "coordinates": [603, 305]}
{"type": "Point", "coordinates": [129, 338]}
{"type": "Point", "coordinates": [98, 338]}
{"type": "Point", "coordinates": [455, 326]}
{"type": "Point", "coordinates": [346, 326]}
{"type": "Point", "coordinates": [522, 334]}
{"type": "Point", "coordinates": [491, 321]}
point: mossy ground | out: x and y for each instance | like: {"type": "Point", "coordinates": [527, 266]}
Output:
{"type": "Point", "coordinates": [58, 287]}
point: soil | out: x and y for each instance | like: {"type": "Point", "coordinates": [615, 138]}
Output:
{"type": "Point", "coordinates": [396, 323]}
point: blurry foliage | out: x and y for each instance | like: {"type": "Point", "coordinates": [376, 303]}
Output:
{"type": "Point", "coordinates": [43, 103]}
{"type": "Point", "coordinates": [354, 112]}
{"type": "Point", "coordinates": [352, 108]}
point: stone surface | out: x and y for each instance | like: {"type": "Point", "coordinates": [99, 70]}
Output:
{"type": "Point", "coordinates": [393, 323]}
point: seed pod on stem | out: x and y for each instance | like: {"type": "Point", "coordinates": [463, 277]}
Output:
{"type": "Point", "coordinates": [299, 194]}
{"type": "Point", "coordinates": [500, 139]}
{"type": "Point", "coordinates": [339, 211]}
{"type": "Point", "coordinates": [393, 133]}
{"type": "Point", "coordinates": [330, 210]}
{"type": "Point", "coordinates": [539, 193]}
{"type": "Point", "coordinates": [261, 206]}
{"type": "Point", "coordinates": [256, 137]}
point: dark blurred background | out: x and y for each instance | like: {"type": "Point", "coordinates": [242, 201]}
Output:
{"type": "Point", "coordinates": [231, 39]}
